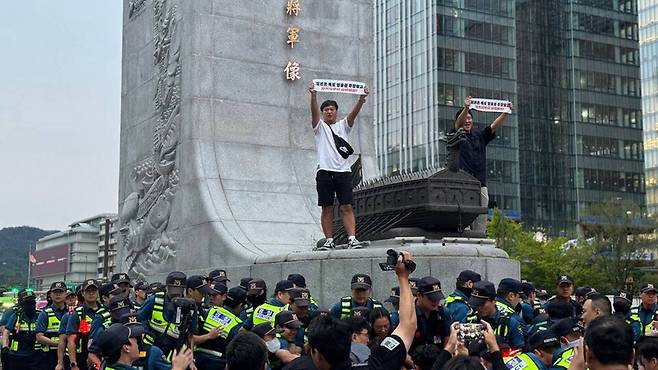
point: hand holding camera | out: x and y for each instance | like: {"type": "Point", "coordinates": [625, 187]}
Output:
{"type": "Point", "coordinates": [401, 263]}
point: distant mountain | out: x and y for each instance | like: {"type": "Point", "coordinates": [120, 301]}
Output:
{"type": "Point", "coordinates": [14, 245]}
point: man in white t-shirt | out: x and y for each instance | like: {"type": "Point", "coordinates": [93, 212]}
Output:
{"type": "Point", "coordinates": [334, 177]}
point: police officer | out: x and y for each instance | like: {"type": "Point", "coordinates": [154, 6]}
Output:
{"type": "Point", "coordinates": [122, 280]}
{"type": "Point", "coordinates": [140, 294]}
{"type": "Point", "coordinates": [569, 333]}
{"type": "Point", "coordinates": [506, 326]}
{"type": "Point", "coordinates": [541, 346]}
{"type": "Point", "coordinates": [394, 300]}
{"type": "Point", "coordinates": [530, 307]}
{"type": "Point", "coordinates": [361, 285]}
{"type": "Point", "coordinates": [622, 302]}
{"type": "Point", "coordinates": [256, 296]}
{"type": "Point", "coordinates": [218, 294]}
{"type": "Point", "coordinates": [150, 356]}
{"type": "Point", "coordinates": [646, 310]}
{"type": "Point", "coordinates": [158, 315]}
{"type": "Point", "coordinates": [211, 354]}
{"type": "Point", "coordinates": [432, 323]}
{"type": "Point", "coordinates": [71, 301]}
{"type": "Point", "coordinates": [48, 322]}
{"type": "Point", "coordinates": [300, 282]}
{"type": "Point", "coordinates": [118, 306]}
{"type": "Point", "coordinates": [107, 291]}
{"type": "Point", "coordinates": [564, 290]}
{"type": "Point", "coordinates": [79, 322]}
{"type": "Point", "coordinates": [287, 323]}
{"type": "Point", "coordinates": [268, 310]}
{"type": "Point", "coordinates": [19, 335]}
{"type": "Point", "coordinates": [219, 276]}
{"type": "Point", "coordinates": [456, 306]}
{"type": "Point", "coordinates": [582, 292]}
{"type": "Point", "coordinates": [71, 298]}
{"type": "Point", "coordinates": [300, 302]}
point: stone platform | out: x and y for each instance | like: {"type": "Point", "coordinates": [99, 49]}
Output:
{"type": "Point", "coordinates": [328, 273]}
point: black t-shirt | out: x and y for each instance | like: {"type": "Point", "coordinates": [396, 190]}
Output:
{"type": "Point", "coordinates": [389, 355]}
{"type": "Point", "coordinates": [473, 153]}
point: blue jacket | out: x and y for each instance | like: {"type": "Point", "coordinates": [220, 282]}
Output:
{"type": "Point", "coordinates": [457, 307]}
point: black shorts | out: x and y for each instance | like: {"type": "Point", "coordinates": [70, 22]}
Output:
{"type": "Point", "coordinates": [390, 354]}
{"type": "Point", "coordinates": [334, 184]}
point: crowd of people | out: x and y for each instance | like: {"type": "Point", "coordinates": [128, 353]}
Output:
{"type": "Point", "coordinates": [203, 322]}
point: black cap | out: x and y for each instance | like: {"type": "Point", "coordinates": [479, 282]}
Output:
{"type": "Point", "coordinates": [360, 311]}
{"type": "Point", "coordinates": [467, 275]}
{"type": "Point", "coordinates": [298, 280]}
{"type": "Point", "coordinates": [113, 338]}
{"type": "Point", "coordinates": [199, 283]}
{"type": "Point", "coordinates": [121, 277]}
{"type": "Point", "coordinates": [645, 288]}
{"type": "Point", "coordinates": [218, 288]}
{"type": "Point", "coordinates": [26, 294]}
{"type": "Point", "coordinates": [140, 285]}
{"type": "Point", "coordinates": [256, 287]}
{"type": "Point", "coordinates": [562, 279]}
{"type": "Point", "coordinates": [583, 291]}
{"type": "Point", "coordinates": [567, 326]}
{"type": "Point", "coordinates": [542, 294]}
{"type": "Point", "coordinates": [244, 282]}
{"type": "Point", "coordinates": [176, 278]}
{"type": "Point", "coordinates": [219, 275]}
{"type": "Point", "coordinates": [120, 302]}
{"type": "Point", "coordinates": [58, 285]}
{"type": "Point", "coordinates": [300, 296]}
{"type": "Point", "coordinates": [361, 281]}
{"type": "Point", "coordinates": [287, 318]}
{"type": "Point", "coordinates": [431, 288]}
{"type": "Point", "coordinates": [157, 287]}
{"type": "Point", "coordinates": [413, 284]}
{"type": "Point", "coordinates": [237, 295]}
{"type": "Point", "coordinates": [543, 338]}
{"type": "Point", "coordinates": [395, 295]}
{"type": "Point", "coordinates": [509, 285]}
{"type": "Point", "coordinates": [527, 288]}
{"type": "Point", "coordinates": [482, 291]}
{"type": "Point", "coordinates": [264, 329]}
{"type": "Point", "coordinates": [283, 285]}
{"type": "Point", "coordinates": [109, 289]}
{"type": "Point", "coordinates": [624, 295]}
{"type": "Point", "coordinates": [130, 320]}
{"type": "Point", "coordinates": [89, 283]}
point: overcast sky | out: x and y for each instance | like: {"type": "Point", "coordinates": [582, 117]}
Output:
{"type": "Point", "coordinates": [60, 83]}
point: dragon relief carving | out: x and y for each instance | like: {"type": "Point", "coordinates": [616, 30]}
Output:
{"type": "Point", "coordinates": [145, 213]}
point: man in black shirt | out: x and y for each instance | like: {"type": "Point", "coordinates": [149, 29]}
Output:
{"type": "Point", "coordinates": [330, 341]}
{"type": "Point", "coordinates": [473, 153]}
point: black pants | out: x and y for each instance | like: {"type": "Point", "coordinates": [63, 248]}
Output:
{"type": "Point", "coordinates": [331, 185]}
{"type": "Point", "coordinates": [32, 362]}
{"type": "Point", "coordinates": [49, 359]}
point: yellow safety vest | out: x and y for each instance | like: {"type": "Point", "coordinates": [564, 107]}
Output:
{"type": "Point", "coordinates": [158, 322]}
{"type": "Point", "coordinates": [218, 317]}
{"type": "Point", "coordinates": [52, 331]}
{"type": "Point", "coordinates": [23, 337]}
{"type": "Point", "coordinates": [346, 306]}
{"type": "Point", "coordinates": [565, 359]}
{"type": "Point", "coordinates": [266, 313]}
{"type": "Point", "coordinates": [471, 316]}
{"type": "Point", "coordinates": [520, 362]}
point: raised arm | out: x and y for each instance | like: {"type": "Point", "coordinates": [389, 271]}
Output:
{"type": "Point", "coordinates": [315, 109]}
{"type": "Point", "coordinates": [407, 327]}
{"type": "Point", "coordinates": [459, 122]}
{"type": "Point", "coordinates": [357, 107]}
{"type": "Point", "coordinates": [500, 120]}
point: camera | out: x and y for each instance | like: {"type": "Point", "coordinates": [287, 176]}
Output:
{"type": "Point", "coordinates": [392, 260]}
{"type": "Point", "coordinates": [184, 309]}
{"type": "Point", "coordinates": [469, 333]}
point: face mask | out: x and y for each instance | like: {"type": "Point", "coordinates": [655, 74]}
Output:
{"type": "Point", "coordinates": [273, 345]}
{"type": "Point", "coordinates": [29, 308]}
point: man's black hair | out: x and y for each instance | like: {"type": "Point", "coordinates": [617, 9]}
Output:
{"type": "Point", "coordinates": [378, 313]}
{"type": "Point", "coordinates": [327, 103]}
{"type": "Point", "coordinates": [246, 352]}
{"type": "Point", "coordinates": [463, 363]}
{"type": "Point", "coordinates": [425, 355]}
{"type": "Point", "coordinates": [460, 112]}
{"type": "Point", "coordinates": [332, 338]}
{"type": "Point", "coordinates": [558, 309]}
{"type": "Point", "coordinates": [621, 306]}
{"type": "Point", "coordinates": [357, 324]}
{"type": "Point", "coordinates": [601, 302]}
{"type": "Point", "coordinates": [610, 340]}
{"type": "Point", "coordinates": [647, 347]}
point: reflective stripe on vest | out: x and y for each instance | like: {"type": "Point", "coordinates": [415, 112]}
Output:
{"type": "Point", "coordinates": [565, 359]}
{"type": "Point", "coordinates": [522, 361]}
{"type": "Point", "coordinates": [265, 313]}
{"type": "Point", "coordinates": [346, 306]}
{"type": "Point", "coordinates": [52, 331]}
{"type": "Point", "coordinates": [23, 337]}
{"type": "Point", "coordinates": [471, 316]}
{"type": "Point", "coordinates": [635, 316]}
{"type": "Point", "coordinates": [502, 328]}
{"type": "Point", "coordinates": [502, 307]}
{"type": "Point", "coordinates": [158, 322]}
{"type": "Point", "coordinates": [218, 317]}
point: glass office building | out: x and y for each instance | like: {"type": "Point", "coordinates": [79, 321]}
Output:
{"type": "Point", "coordinates": [648, 13]}
{"type": "Point", "coordinates": [570, 66]}
{"type": "Point", "coordinates": [430, 55]}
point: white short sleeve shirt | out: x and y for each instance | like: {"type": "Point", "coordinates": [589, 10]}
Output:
{"type": "Point", "coordinates": [328, 157]}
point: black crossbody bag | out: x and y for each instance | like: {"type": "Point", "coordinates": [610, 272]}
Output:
{"type": "Point", "coordinates": [342, 146]}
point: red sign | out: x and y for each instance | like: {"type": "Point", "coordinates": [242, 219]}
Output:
{"type": "Point", "coordinates": [51, 261]}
